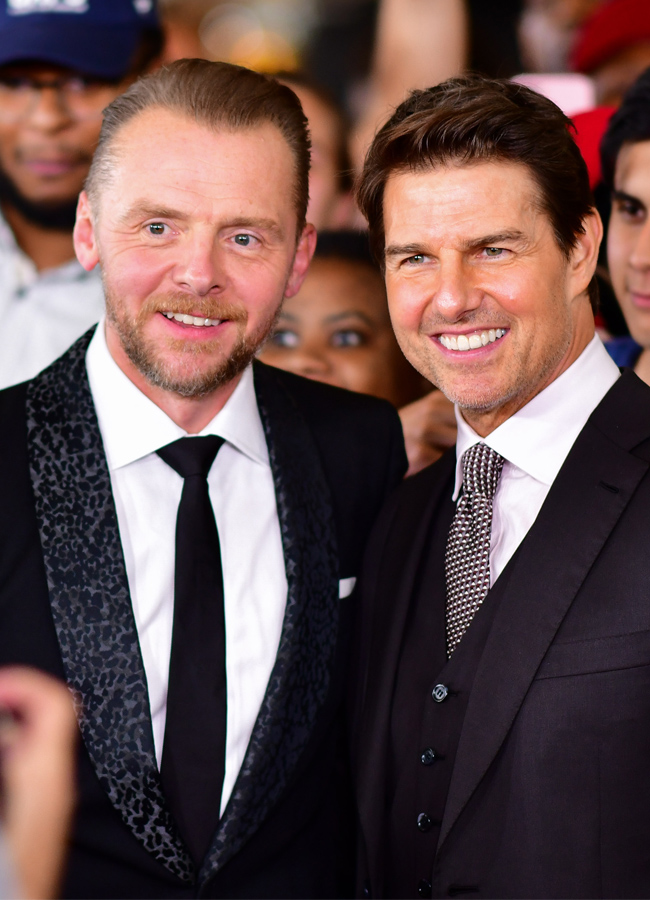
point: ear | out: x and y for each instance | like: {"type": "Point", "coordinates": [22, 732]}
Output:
{"type": "Point", "coordinates": [304, 253]}
{"type": "Point", "coordinates": [85, 244]}
{"type": "Point", "coordinates": [584, 256]}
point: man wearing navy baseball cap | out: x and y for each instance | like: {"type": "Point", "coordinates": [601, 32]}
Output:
{"type": "Point", "coordinates": [61, 63]}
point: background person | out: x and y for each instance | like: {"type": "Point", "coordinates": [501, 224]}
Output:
{"type": "Point", "coordinates": [625, 151]}
{"type": "Point", "coordinates": [60, 65]}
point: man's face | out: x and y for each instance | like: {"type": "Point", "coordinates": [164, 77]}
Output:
{"type": "Point", "coordinates": [483, 301]}
{"type": "Point", "coordinates": [48, 136]}
{"type": "Point", "coordinates": [628, 239]}
{"type": "Point", "coordinates": [196, 238]}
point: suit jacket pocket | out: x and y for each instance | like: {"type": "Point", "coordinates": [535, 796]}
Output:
{"type": "Point", "coordinates": [621, 651]}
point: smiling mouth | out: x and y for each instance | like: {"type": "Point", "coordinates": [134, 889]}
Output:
{"type": "Point", "coordinates": [462, 342]}
{"type": "Point", "coordinates": [199, 321]}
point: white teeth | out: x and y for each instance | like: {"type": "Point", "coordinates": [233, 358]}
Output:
{"type": "Point", "coordinates": [472, 341]}
{"type": "Point", "coordinates": [193, 320]}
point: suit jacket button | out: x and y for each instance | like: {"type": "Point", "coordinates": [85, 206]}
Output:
{"type": "Point", "coordinates": [366, 889]}
{"type": "Point", "coordinates": [440, 692]}
{"type": "Point", "coordinates": [424, 888]}
{"type": "Point", "coordinates": [424, 822]}
{"type": "Point", "coordinates": [428, 756]}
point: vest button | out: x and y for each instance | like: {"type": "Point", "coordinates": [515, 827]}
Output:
{"type": "Point", "coordinates": [424, 822]}
{"type": "Point", "coordinates": [439, 693]}
{"type": "Point", "coordinates": [428, 756]}
{"type": "Point", "coordinates": [424, 888]}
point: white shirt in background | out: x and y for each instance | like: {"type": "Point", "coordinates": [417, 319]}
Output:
{"type": "Point", "coordinates": [535, 442]}
{"type": "Point", "coordinates": [42, 313]}
{"type": "Point", "coordinates": [147, 494]}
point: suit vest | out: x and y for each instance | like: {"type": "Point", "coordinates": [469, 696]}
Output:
{"type": "Point", "coordinates": [429, 704]}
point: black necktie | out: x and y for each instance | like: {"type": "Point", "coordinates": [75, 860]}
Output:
{"type": "Point", "coordinates": [467, 564]}
{"type": "Point", "coordinates": [194, 748]}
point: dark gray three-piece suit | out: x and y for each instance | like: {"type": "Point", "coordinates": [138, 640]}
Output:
{"type": "Point", "coordinates": [520, 767]}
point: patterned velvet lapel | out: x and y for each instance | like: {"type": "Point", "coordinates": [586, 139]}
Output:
{"type": "Point", "coordinates": [90, 601]}
{"type": "Point", "coordinates": [301, 676]}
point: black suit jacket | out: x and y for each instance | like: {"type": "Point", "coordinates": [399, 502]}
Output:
{"type": "Point", "coordinates": [65, 608]}
{"type": "Point", "coordinates": [550, 791]}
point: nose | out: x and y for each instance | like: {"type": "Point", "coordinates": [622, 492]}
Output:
{"type": "Point", "coordinates": [454, 293]}
{"type": "Point", "coordinates": [640, 256]}
{"type": "Point", "coordinates": [198, 270]}
{"type": "Point", "coordinates": [49, 111]}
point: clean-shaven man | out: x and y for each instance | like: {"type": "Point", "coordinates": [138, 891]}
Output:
{"type": "Point", "coordinates": [503, 725]}
{"type": "Point", "coordinates": [182, 527]}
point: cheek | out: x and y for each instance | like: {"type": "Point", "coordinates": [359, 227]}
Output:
{"type": "Point", "coordinates": [134, 273]}
{"type": "Point", "coordinates": [620, 246]}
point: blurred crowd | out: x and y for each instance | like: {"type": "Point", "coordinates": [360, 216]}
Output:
{"type": "Point", "coordinates": [350, 63]}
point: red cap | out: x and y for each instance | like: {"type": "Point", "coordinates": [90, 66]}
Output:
{"type": "Point", "coordinates": [590, 128]}
{"type": "Point", "coordinates": [613, 27]}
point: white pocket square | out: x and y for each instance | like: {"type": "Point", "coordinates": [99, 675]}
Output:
{"type": "Point", "coordinates": [346, 586]}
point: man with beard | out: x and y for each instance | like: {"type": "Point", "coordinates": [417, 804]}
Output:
{"type": "Point", "coordinates": [183, 527]}
{"type": "Point", "coordinates": [61, 63]}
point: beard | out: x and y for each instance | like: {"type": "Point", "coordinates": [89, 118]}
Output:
{"type": "Point", "coordinates": [186, 372]}
{"type": "Point", "coordinates": [53, 215]}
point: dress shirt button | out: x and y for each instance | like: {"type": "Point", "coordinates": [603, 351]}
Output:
{"type": "Point", "coordinates": [428, 756]}
{"type": "Point", "coordinates": [424, 822]}
{"type": "Point", "coordinates": [424, 888]}
{"type": "Point", "coordinates": [439, 693]}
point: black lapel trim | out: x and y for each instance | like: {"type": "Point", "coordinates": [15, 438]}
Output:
{"type": "Point", "coordinates": [583, 506]}
{"type": "Point", "coordinates": [300, 679]}
{"type": "Point", "coordinates": [90, 601]}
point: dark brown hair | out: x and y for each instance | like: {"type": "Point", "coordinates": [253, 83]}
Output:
{"type": "Point", "coordinates": [471, 119]}
{"type": "Point", "coordinates": [219, 96]}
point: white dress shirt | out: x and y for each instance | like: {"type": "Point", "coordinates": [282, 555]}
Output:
{"type": "Point", "coordinates": [534, 442]}
{"type": "Point", "coordinates": [147, 494]}
{"type": "Point", "coordinates": [42, 313]}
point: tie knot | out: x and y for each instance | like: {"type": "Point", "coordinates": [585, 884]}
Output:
{"type": "Point", "coordinates": [191, 455]}
{"type": "Point", "coordinates": [481, 470]}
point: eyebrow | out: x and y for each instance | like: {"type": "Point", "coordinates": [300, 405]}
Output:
{"type": "Point", "coordinates": [629, 198]}
{"type": "Point", "coordinates": [332, 320]}
{"type": "Point", "coordinates": [489, 240]}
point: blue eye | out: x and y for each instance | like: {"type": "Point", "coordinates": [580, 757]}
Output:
{"type": "Point", "coordinates": [244, 240]}
{"type": "Point", "coordinates": [493, 252]}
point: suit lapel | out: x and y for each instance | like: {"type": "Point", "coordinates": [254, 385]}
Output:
{"type": "Point", "coordinates": [90, 601]}
{"type": "Point", "coordinates": [586, 500]}
{"type": "Point", "coordinates": [301, 676]}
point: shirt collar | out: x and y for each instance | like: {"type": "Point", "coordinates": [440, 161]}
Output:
{"type": "Point", "coordinates": [538, 437]}
{"type": "Point", "coordinates": [132, 426]}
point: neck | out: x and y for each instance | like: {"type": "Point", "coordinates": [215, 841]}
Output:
{"type": "Point", "coordinates": [191, 414]}
{"type": "Point", "coordinates": [642, 367]}
{"type": "Point", "coordinates": [46, 247]}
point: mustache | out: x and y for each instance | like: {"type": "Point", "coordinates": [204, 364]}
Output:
{"type": "Point", "coordinates": [207, 307]}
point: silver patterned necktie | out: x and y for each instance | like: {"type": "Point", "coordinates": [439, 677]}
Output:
{"type": "Point", "coordinates": [467, 562]}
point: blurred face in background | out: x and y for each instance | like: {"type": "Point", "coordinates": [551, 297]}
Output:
{"type": "Point", "coordinates": [50, 118]}
{"type": "Point", "coordinates": [628, 241]}
{"type": "Point", "coordinates": [337, 330]}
